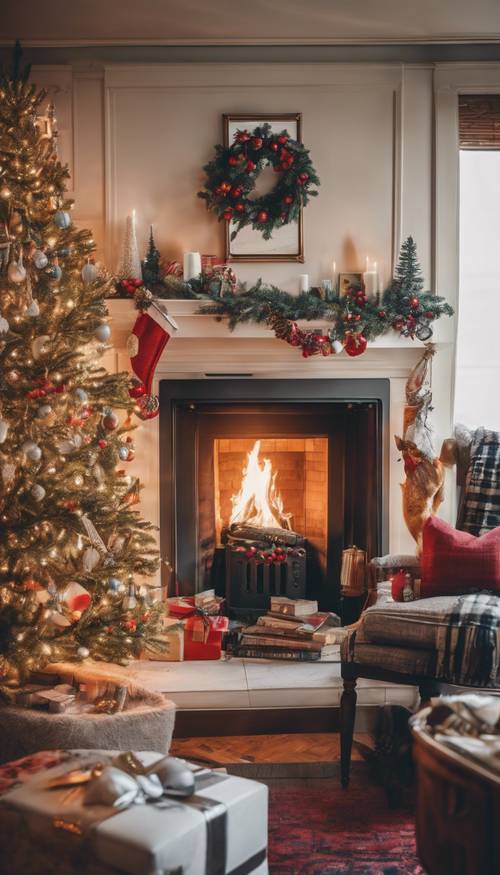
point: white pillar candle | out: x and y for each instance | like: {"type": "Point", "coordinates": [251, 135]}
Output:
{"type": "Point", "coordinates": [304, 282]}
{"type": "Point", "coordinates": [192, 265]}
{"type": "Point", "coordinates": [334, 275]}
{"type": "Point", "coordinates": [370, 278]}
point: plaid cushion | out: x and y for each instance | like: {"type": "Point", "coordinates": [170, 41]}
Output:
{"type": "Point", "coordinates": [481, 508]}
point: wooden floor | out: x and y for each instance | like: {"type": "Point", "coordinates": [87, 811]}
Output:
{"type": "Point", "coordinates": [313, 747]}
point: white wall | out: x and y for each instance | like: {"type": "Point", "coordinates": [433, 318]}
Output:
{"type": "Point", "coordinates": [477, 395]}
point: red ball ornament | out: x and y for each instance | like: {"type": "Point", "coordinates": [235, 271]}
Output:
{"type": "Point", "coordinates": [257, 142]}
{"type": "Point", "coordinates": [381, 314]}
{"type": "Point", "coordinates": [414, 303]}
{"type": "Point", "coordinates": [233, 161]}
{"type": "Point", "coordinates": [348, 318]}
{"type": "Point", "coordinates": [236, 192]}
{"type": "Point", "coordinates": [110, 421]}
{"type": "Point", "coordinates": [227, 214]}
{"type": "Point", "coordinates": [102, 444]}
{"type": "Point", "coordinates": [242, 136]}
{"type": "Point", "coordinates": [288, 199]}
{"type": "Point", "coordinates": [283, 138]}
{"type": "Point", "coordinates": [262, 216]}
{"type": "Point", "coordinates": [274, 147]}
{"type": "Point", "coordinates": [303, 177]}
{"type": "Point", "coordinates": [137, 391]}
{"type": "Point", "coordinates": [240, 208]}
{"type": "Point", "coordinates": [149, 407]}
{"type": "Point", "coordinates": [355, 344]}
{"type": "Point", "coordinates": [250, 166]}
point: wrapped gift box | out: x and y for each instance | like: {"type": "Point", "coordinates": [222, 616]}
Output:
{"type": "Point", "coordinates": [203, 631]}
{"type": "Point", "coordinates": [220, 830]}
{"type": "Point", "coordinates": [172, 636]}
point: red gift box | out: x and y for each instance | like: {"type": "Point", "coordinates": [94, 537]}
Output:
{"type": "Point", "coordinates": [203, 636]}
{"type": "Point", "coordinates": [202, 632]}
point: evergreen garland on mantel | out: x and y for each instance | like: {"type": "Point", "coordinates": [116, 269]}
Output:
{"type": "Point", "coordinates": [355, 319]}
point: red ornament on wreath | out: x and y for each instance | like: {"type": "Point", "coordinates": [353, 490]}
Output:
{"type": "Point", "coordinates": [355, 344]}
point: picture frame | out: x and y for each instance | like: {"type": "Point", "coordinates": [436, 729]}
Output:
{"type": "Point", "coordinates": [348, 279]}
{"type": "Point", "coordinates": [287, 242]}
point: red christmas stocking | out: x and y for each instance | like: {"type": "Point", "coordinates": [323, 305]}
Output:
{"type": "Point", "coordinates": [145, 346]}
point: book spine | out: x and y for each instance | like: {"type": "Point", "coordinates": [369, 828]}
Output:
{"type": "Point", "coordinates": [277, 642]}
{"type": "Point", "coordinates": [272, 653]}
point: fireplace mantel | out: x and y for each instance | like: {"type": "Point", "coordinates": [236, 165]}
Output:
{"type": "Point", "coordinates": [204, 344]}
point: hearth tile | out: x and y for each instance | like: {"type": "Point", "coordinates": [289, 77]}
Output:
{"type": "Point", "coordinates": [205, 700]}
{"type": "Point", "coordinates": [297, 697]}
{"type": "Point", "coordinates": [402, 695]}
{"type": "Point", "coordinates": [209, 675]}
{"type": "Point", "coordinates": [291, 675]}
{"type": "Point", "coordinates": [371, 696]}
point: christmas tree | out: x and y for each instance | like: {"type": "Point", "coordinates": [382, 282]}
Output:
{"type": "Point", "coordinates": [74, 551]}
{"type": "Point", "coordinates": [151, 273]}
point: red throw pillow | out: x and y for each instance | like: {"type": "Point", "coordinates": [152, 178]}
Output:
{"type": "Point", "coordinates": [454, 563]}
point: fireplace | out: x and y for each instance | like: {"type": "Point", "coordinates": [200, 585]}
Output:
{"type": "Point", "coordinates": [245, 460]}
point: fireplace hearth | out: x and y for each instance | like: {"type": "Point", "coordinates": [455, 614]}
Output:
{"type": "Point", "coordinates": [265, 482]}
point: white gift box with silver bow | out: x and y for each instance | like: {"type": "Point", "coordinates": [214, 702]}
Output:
{"type": "Point", "coordinates": [162, 837]}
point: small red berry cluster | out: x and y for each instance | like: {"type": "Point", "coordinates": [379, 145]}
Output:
{"type": "Point", "coordinates": [232, 175]}
{"type": "Point", "coordinates": [273, 554]}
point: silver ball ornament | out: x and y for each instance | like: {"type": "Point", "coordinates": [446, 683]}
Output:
{"type": "Point", "coordinates": [40, 260]}
{"type": "Point", "coordinates": [103, 332]}
{"type": "Point", "coordinates": [62, 219]}
{"type": "Point", "coordinates": [83, 652]}
{"type": "Point", "coordinates": [114, 584]}
{"type": "Point", "coordinates": [80, 395]}
{"type": "Point", "coordinates": [123, 453]}
{"type": "Point", "coordinates": [38, 492]}
{"type": "Point", "coordinates": [89, 273]}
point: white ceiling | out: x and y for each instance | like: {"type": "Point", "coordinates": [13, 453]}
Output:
{"type": "Point", "coordinates": [212, 22]}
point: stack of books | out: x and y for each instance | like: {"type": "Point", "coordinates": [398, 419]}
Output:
{"type": "Point", "coordinates": [292, 629]}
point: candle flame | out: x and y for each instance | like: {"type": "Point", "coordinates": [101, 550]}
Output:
{"type": "Point", "coordinates": [258, 503]}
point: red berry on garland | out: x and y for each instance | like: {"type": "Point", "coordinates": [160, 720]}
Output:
{"type": "Point", "coordinates": [262, 217]}
{"type": "Point", "coordinates": [303, 177]}
{"type": "Point", "coordinates": [233, 161]}
{"type": "Point", "coordinates": [357, 317]}
{"type": "Point", "coordinates": [239, 208]}
{"type": "Point", "coordinates": [227, 214]}
{"type": "Point", "coordinates": [288, 199]}
{"type": "Point", "coordinates": [257, 142]}
{"type": "Point", "coordinates": [283, 138]}
{"type": "Point", "coordinates": [355, 344]}
{"type": "Point", "coordinates": [236, 192]}
{"type": "Point", "coordinates": [102, 444]}
{"type": "Point", "coordinates": [414, 303]}
{"type": "Point", "coordinates": [381, 314]}
{"type": "Point", "coordinates": [348, 318]}
{"type": "Point", "coordinates": [250, 166]}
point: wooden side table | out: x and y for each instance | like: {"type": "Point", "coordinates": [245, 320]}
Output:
{"type": "Point", "coordinates": [458, 810]}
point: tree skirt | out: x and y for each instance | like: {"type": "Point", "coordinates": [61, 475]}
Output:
{"type": "Point", "coordinates": [317, 828]}
{"type": "Point", "coordinates": [147, 723]}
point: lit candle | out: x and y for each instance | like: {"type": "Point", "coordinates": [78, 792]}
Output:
{"type": "Point", "coordinates": [370, 278]}
{"type": "Point", "coordinates": [192, 266]}
{"type": "Point", "coordinates": [304, 282]}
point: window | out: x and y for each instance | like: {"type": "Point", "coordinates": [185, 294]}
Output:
{"type": "Point", "coordinates": [477, 390]}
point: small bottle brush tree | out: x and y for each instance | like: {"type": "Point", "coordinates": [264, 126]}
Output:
{"type": "Point", "coordinates": [72, 544]}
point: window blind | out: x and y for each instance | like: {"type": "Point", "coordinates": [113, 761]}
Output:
{"type": "Point", "coordinates": [479, 121]}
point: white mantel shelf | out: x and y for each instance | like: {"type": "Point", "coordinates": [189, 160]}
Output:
{"type": "Point", "coordinates": [193, 324]}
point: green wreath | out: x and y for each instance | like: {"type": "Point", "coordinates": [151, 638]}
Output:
{"type": "Point", "coordinates": [232, 174]}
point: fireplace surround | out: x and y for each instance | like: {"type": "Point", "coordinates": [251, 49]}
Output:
{"type": "Point", "coordinates": [328, 443]}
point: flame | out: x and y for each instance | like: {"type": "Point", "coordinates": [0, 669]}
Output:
{"type": "Point", "coordinates": [258, 503]}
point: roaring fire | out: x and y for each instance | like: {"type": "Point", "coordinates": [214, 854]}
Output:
{"type": "Point", "coordinates": [258, 503]}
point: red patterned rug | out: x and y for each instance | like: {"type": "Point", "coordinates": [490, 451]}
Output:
{"type": "Point", "coordinates": [316, 828]}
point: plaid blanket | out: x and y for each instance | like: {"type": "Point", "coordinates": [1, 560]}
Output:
{"type": "Point", "coordinates": [481, 507]}
{"type": "Point", "coordinates": [468, 644]}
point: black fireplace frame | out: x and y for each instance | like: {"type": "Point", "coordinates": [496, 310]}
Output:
{"type": "Point", "coordinates": [178, 501]}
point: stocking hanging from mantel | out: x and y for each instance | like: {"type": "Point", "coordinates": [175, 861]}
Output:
{"type": "Point", "coordinates": [145, 345]}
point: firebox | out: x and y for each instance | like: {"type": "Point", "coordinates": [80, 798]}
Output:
{"type": "Point", "coordinates": [265, 482]}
